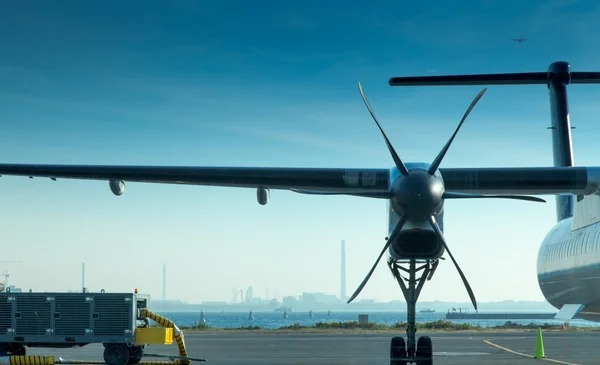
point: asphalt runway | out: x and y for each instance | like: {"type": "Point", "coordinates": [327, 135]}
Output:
{"type": "Point", "coordinates": [451, 348]}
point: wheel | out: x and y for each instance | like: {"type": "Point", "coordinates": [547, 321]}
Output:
{"type": "Point", "coordinates": [397, 350]}
{"type": "Point", "coordinates": [135, 355]}
{"type": "Point", "coordinates": [116, 354]}
{"type": "Point", "coordinates": [425, 349]}
{"type": "Point", "coordinates": [14, 349]}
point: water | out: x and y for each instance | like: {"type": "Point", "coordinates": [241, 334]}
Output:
{"type": "Point", "coordinates": [271, 320]}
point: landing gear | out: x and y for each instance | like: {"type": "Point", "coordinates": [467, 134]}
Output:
{"type": "Point", "coordinates": [421, 351]}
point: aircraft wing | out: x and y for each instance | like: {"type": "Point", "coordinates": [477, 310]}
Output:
{"type": "Point", "coordinates": [347, 181]}
{"type": "Point", "coordinates": [247, 177]}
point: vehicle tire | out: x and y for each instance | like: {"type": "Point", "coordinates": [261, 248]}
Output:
{"type": "Point", "coordinates": [135, 355]}
{"type": "Point", "coordinates": [14, 349]}
{"type": "Point", "coordinates": [116, 354]}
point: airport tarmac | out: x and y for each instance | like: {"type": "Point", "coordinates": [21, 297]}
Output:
{"type": "Point", "coordinates": [450, 348]}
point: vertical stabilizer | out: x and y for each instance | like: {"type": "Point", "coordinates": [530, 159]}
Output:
{"type": "Point", "coordinates": [559, 76]}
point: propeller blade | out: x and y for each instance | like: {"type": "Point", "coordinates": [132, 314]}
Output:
{"type": "Point", "coordinates": [437, 230]}
{"type": "Point", "coordinates": [438, 160]}
{"type": "Point", "coordinates": [399, 164]}
{"type": "Point", "coordinates": [479, 196]}
{"type": "Point", "coordinates": [392, 238]}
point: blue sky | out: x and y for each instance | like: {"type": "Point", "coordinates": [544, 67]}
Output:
{"type": "Point", "coordinates": [272, 83]}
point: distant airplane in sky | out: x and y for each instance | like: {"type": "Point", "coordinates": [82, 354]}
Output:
{"type": "Point", "coordinates": [520, 40]}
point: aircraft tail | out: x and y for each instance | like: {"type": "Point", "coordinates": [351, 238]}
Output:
{"type": "Point", "coordinates": [557, 78]}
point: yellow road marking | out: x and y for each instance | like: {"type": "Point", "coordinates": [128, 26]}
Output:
{"type": "Point", "coordinates": [525, 355]}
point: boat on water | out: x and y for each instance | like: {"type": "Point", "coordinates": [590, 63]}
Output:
{"type": "Point", "coordinates": [428, 310]}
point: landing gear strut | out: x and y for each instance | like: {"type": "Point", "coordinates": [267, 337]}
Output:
{"type": "Point", "coordinates": [421, 351]}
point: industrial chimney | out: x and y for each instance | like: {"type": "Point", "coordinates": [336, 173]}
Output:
{"type": "Point", "coordinates": [164, 283]}
{"type": "Point", "coordinates": [343, 276]}
{"type": "Point", "coordinates": [83, 276]}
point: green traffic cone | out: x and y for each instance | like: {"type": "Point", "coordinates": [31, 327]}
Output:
{"type": "Point", "coordinates": [539, 346]}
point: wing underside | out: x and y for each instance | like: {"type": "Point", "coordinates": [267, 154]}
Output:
{"type": "Point", "coordinates": [246, 177]}
{"type": "Point", "coordinates": [350, 181]}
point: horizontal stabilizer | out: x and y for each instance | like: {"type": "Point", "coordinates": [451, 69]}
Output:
{"type": "Point", "coordinates": [569, 311]}
{"type": "Point", "coordinates": [521, 78]}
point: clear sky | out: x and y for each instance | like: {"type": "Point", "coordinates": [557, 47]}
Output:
{"type": "Point", "coordinates": [270, 83]}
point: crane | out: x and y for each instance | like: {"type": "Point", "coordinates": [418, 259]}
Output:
{"type": "Point", "coordinates": [5, 273]}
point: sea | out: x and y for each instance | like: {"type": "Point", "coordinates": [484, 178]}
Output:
{"type": "Point", "coordinates": [274, 320]}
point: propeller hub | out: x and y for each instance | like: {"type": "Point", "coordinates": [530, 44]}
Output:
{"type": "Point", "coordinates": [417, 195]}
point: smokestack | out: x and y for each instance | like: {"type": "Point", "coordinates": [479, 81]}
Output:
{"type": "Point", "coordinates": [164, 282]}
{"type": "Point", "coordinates": [83, 276]}
{"type": "Point", "coordinates": [343, 283]}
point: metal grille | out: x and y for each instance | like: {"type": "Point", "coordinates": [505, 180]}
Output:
{"type": "Point", "coordinates": [71, 315]}
{"type": "Point", "coordinates": [33, 314]}
{"type": "Point", "coordinates": [114, 314]}
{"type": "Point", "coordinates": [5, 314]}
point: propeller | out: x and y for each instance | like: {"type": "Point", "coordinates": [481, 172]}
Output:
{"type": "Point", "coordinates": [399, 164]}
{"type": "Point", "coordinates": [418, 195]}
{"type": "Point", "coordinates": [438, 159]}
{"type": "Point", "coordinates": [391, 239]}
{"type": "Point", "coordinates": [437, 230]}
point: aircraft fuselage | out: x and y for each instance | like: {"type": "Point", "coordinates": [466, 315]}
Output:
{"type": "Point", "coordinates": [568, 267]}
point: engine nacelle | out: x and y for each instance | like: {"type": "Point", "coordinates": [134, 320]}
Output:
{"type": "Point", "coordinates": [262, 195]}
{"type": "Point", "coordinates": [117, 187]}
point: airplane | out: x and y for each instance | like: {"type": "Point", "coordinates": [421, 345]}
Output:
{"type": "Point", "coordinates": [415, 194]}
{"type": "Point", "coordinates": [519, 40]}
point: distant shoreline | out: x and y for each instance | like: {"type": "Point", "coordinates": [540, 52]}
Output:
{"type": "Point", "coordinates": [336, 331]}
{"type": "Point", "coordinates": [355, 327]}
